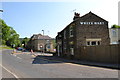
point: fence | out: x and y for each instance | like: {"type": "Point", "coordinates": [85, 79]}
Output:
{"type": "Point", "coordinates": [104, 54]}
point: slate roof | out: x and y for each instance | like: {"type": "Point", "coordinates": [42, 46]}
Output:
{"type": "Point", "coordinates": [40, 37]}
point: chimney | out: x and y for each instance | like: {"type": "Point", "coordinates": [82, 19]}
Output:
{"type": "Point", "coordinates": [76, 16]}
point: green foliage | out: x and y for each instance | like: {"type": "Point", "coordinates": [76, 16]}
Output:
{"type": "Point", "coordinates": [5, 47]}
{"type": "Point", "coordinates": [115, 26]}
{"type": "Point", "coordinates": [54, 43]}
{"type": "Point", "coordinates": [8, 35]}
{"type": "Point", "coordinates": [25, 41]}
{"type": "Point", "coordinates": [3, 42]}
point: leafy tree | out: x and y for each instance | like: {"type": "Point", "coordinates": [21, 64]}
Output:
{"type": "Point", "coordinates": [25, 41]}
{"type": "Point", "coordinates": [115, 26]}
{"type": "Point", "coordinates": [4, 30]}
{"type": "Point", "coordinates": [14, 40]}
{"type": "Point", "coordinates": [8, 35]}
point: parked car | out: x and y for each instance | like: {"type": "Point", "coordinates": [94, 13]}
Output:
{"type": "Point", "coordinates": [24, 50]}
{"type": "Point", "coordinates": [19, 48]}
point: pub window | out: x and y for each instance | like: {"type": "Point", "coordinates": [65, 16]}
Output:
{"type": "Point", "coordinates": [65, 34]}
{"type": "Point", "coordinates": [98, 42]}
{"type": "Point", "coordinates": [60, 36]}
{"type": "Point", "coordinates": [88, 43]}
{"type": "Point", "coordinates": [65, 45]}
{"type": "Point", "coordinates": [72, 51]}
{"type": "Point", "coordinates": [93, 43]}
{"type": "Point", "coordinates": [71, 31]}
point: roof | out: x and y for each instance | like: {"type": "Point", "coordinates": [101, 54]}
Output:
{"type": "Point", "coordinates": [88, 15]}
{"type": "Point", "coordinates": [40, 36]}
{"type": "Point", "coordinates": [91, 15]}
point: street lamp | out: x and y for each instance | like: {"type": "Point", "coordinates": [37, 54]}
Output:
{"type": "Point", "coordinates": [43, 41]}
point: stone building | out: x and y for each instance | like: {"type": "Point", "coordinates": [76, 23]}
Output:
{"type": "Point", "coordinates": [42, 43]}
{"type": "Point", "coordinates": [86, 30]}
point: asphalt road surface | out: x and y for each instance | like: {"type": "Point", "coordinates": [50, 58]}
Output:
{"type": "Point", "coordinates": [27, 66]}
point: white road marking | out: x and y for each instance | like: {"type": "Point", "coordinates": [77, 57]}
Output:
{"type": "Point", "coordinates": [14, 55]}
{"type": "Point", "coordinates": [19, 58]}
{"type": "Point", "coordinates": [10, 72]}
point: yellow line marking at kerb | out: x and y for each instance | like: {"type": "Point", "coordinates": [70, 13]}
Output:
{"type": "Point", "coordinates": [90, 67]}
{"type": "Point", "coordinates": [33, 55]}
{"type": "Point", "coordinates": [10, 72]}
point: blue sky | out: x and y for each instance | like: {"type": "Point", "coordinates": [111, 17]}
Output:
{"type": "Point", "coordinates": [29, 18]}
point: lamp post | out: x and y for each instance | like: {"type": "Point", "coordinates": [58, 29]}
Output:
{"type": "Point", "coordinates": [43, 41]}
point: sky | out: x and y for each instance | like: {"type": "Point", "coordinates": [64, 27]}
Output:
{"type": "Point", "coordinates": [31, 17]}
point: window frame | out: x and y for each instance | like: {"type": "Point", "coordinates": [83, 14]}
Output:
{"type": "Point", "coordinates": [71, 31]}
{"type": "Point", "coordinates": [97, 42]}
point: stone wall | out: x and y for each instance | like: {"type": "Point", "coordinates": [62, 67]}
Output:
{"type": "Point", "coordinates": [92, 31]}
{"type": "Point", "coordinates": [104, 54]}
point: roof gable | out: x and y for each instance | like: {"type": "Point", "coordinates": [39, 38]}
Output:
{"type": "Point", "coordinates": [40, 36]}
{"type": "Point", "coordinates": [91, 17]}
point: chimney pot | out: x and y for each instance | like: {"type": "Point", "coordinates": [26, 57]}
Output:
{"type": "Point", "coordinates": [76, 16]}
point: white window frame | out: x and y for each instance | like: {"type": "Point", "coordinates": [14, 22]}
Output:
{"type": "Point", "coordinates": [65, 34]}
{"type": "Point", "coordinates": [93, 40]}
{"type": "Point", "coordinates": [71, 31]}
{"type": "Point", "coordinates": [72, 51]}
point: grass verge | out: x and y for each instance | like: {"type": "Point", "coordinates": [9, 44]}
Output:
{"type": "Point", "coordinates": [5, 47]}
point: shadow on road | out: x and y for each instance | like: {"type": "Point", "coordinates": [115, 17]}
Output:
{"type": "Point", "coordinates": [53, 60]}
{"type": "Point", "coordinates": [45, 60]}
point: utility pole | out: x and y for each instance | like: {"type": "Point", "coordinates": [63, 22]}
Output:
{"type": "Point", "coordinates": [43, 41]}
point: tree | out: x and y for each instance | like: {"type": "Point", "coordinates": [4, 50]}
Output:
{"type": "Point", "coordinates": [115, 26]}
{"type": "Point", "coordinates": [14, 40]}
{"type": "Point", "coordinates": [25, 41]}
{"type": "Point", "coordinates": [5, 33]}
{"type": "Point", "coordinates": [8, 35]}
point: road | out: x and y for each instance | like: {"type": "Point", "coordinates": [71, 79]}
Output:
{"type": "Point", "coordinates": [27, 66]}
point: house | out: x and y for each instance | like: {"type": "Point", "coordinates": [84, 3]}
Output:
{"type": "Point", "coordinates": [114, 35]}
{"type": "Point", "coordinates": [86, 30]}
{"type": "Point", "coordinates": [39, 42]}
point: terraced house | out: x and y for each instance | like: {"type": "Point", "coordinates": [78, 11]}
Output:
{"type": "Point", "coordinates": [86, 30]}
